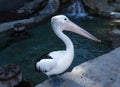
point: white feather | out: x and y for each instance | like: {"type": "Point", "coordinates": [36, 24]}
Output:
{"type": "Point", "coordinates": [46, 64]}
{"type": "Point", "coordinates": [57, 54]}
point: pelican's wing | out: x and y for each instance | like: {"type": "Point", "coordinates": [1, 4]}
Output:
{"type": "Point", "coordinates": [57, 54]}
{"type": "Point", "coordinates": [46, 65]}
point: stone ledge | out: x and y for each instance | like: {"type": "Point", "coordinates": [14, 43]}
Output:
{"type": "Point", "coordinates": [10, 25]}
{"type": "Point", "coordinates": [115, 15]}
{"type": "Point", "coordinates": [102, 71]}
{"type": "Point", "coordinates": [116, 22]}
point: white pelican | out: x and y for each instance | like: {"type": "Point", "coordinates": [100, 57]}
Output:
{"type": "Point", "coordinates": [57, 62]}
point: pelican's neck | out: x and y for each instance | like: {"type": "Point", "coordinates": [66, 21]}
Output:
{"type": "Point", "coordinates": [66, 40]}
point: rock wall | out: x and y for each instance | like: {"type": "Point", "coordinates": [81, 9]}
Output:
{"type": "Point", "coordinates": [102, 7]}
{"type": "Point", "coordinates": [51, 7]}
{"type": "Point", "coordinates": [115, 32]}
{"type": "Point", "coordinates": [6, 5]}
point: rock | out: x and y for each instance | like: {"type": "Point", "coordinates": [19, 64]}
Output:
{"type": "Point", "coordinates": [32, 20]}
{"type": "Point", "coordinates": [10, 75]}
{"type": "Point", "coordinates": [102, 71]}
{"type": "Point", "coordinates": [28, 10]}
{"type": "Point", "coordinates": [12, 16]}
{"type": "Point", "coordinates": [10, 25]}
{"type": "Point", "coordinates": [19, 27]}
{"type": "Point", "coordinates": [24, 84]}
{"type": "Point", "coordinates": [31, 6]}
{"type": "Point", "coordinates": [102, 7]}
{"type": "Point", "coordinates": [115, 35]}
{"type": "Point", "coordinates": [7, 5]}
{"type": "Point", "coordinates": [116, 42]}
{"type": "Point", "coordinates": [65, 4]}
{"type": "Point", "coordinates": [116, 23]}
{"type": "Point", "coordinates": [115, 15]}
{"type": "Point", "coordinates": [51, 7]}
{"type": "Point", "coordinates": [115, 32]}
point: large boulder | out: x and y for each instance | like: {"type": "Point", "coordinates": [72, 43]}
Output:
{"type": "Point", "coordinates": [116, 23]}
{"type": "Point", "coordinates": [115, 15]}
{"type": "Point", "coordinates": [30, 7]}
{"type": "Point", "coordinates": [115, 37]}
{"type": "Point", "coordinates": [6, 5]}
{"type": "Point", "coordinates": [115, 32]}
{"type": "Point", "coordinates": [102, 7]}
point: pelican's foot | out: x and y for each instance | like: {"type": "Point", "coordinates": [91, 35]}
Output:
{"type": "Point", "coordinates": [56, 81]}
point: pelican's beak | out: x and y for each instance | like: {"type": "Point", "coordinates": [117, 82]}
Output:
{"type": "Point", "coordinates": [70, 26]}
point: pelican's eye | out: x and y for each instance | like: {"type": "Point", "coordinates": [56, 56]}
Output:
{"type": "Point", "coordinates": [65, 18]}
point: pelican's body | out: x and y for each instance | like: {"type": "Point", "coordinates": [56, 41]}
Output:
{"type": "Point", "coordinates": [57, 62]}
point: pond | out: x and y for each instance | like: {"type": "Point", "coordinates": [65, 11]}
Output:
{"type": "Point", "coordinates": [25, 52]}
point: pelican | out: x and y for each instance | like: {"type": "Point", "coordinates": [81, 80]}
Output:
{"type": "Point", "coordinates": [57, 62]}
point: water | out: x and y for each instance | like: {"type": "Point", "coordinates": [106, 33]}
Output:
{"type": "Point", "coordinates": [25, 52]}
{"type": "Point", "coordinates": [77, 9]}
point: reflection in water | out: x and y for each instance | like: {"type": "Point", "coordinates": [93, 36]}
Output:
{"type": "Point", "coordinates": [25, 52]}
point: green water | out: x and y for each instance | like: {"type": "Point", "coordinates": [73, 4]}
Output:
{"type": "Point", "coordinates": [25, 52]}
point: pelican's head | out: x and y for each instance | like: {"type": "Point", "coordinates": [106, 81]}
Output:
{"type": "Point", "coordinates": [61, 22]}
{"type": "Point", "coordinates": [58, 21]}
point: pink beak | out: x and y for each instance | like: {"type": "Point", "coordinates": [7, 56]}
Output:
{"type": "Point", "coordinates": [70, 26]}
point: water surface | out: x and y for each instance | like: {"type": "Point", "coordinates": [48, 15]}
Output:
{"type": "Point", "coordinates": [25, 52]}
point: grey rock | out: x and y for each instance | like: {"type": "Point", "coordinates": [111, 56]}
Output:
{"type": "Point", "coordinates": [7, 5]}
{"type": "Point", "coordinates": [29, 6]}
{"type": "Point", "coordinates": [102, 7]}
{"type": "Point", "coordinates": [115, 35]}
{"type": "Point", "coordinates": [10, 25]}
{"type": "Point", "coordinates": [116, 23]}
{"type": "Point", "coordinates": [115, 32]}
{"type": "Point", "coordinates": [115, 15]}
